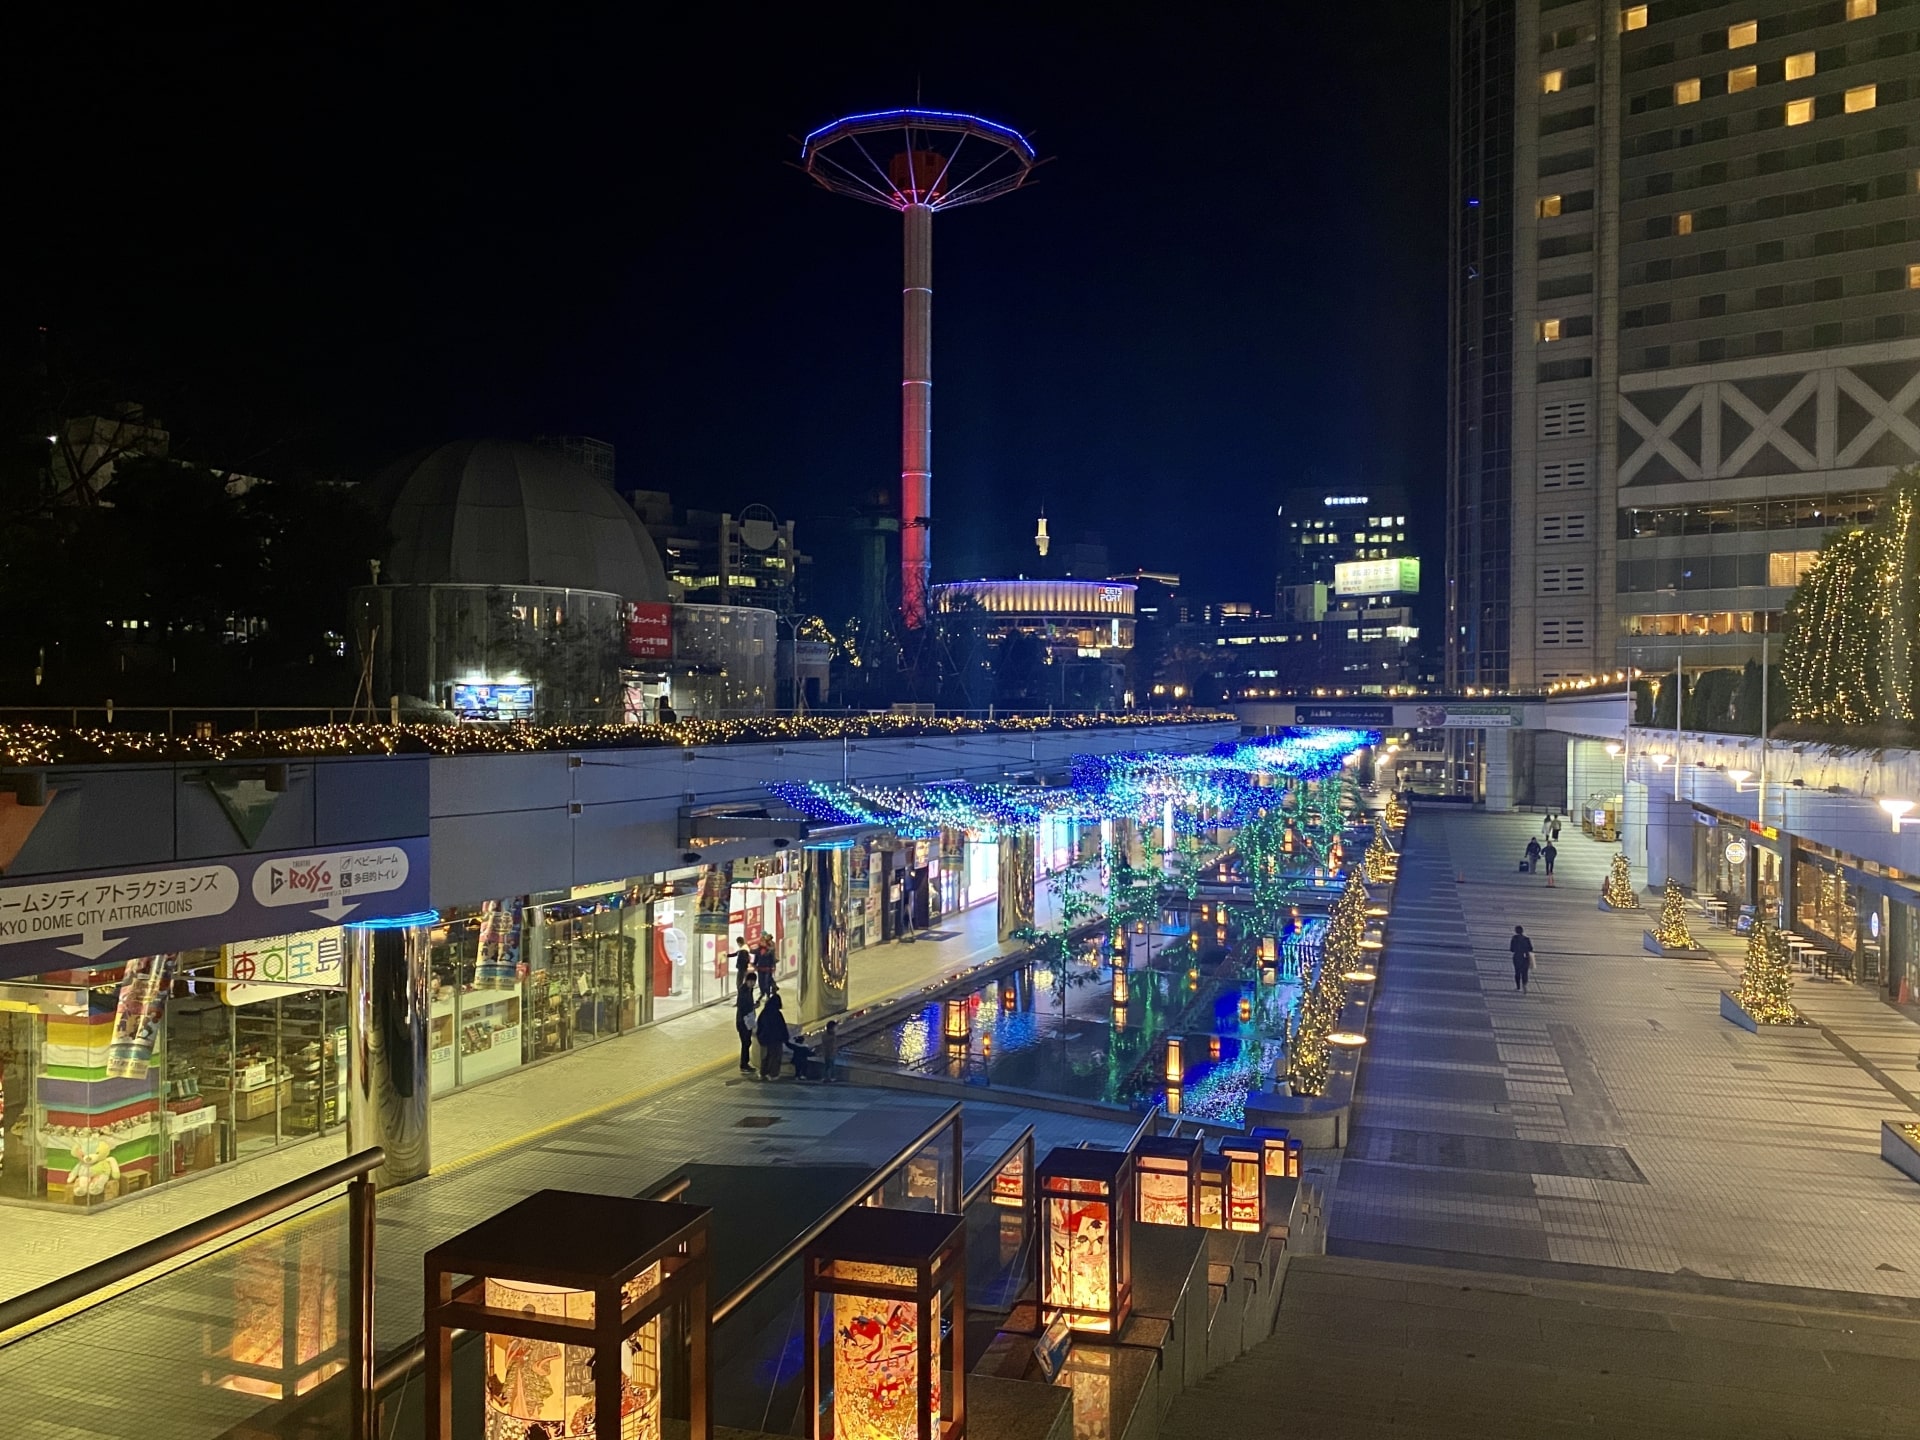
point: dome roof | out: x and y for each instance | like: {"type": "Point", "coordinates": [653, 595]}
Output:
{"type": "Point", "coordinates": [497, 512]}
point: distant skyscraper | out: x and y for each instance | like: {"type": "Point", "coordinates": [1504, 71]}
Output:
{"type": "Point", "coordinates": [1684, 319]}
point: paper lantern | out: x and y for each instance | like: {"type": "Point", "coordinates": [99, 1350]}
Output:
{"type": "Point", "coordinates": [1166, 1179]}
{"type": "Point", "coordinates": [1246, 1185]}
{"type": "Point", "coordinates": [885, 1345]}
{"type": "Point", "coordinates": [1246, 1009]}
{"type": "Point", "coordinates": [957, 1022]}
{"type": "Point", "coordinates": [594, 1309]}
{"type": "Point", "coordinates": [1120, 987]}
{"type": "Point", "coordinates": [1086, 1239]}
{"type": "Point", "coordinates": [1279, 1152]}
{"type": "Point", "coordinates": [1176, 1067]}
{"type": "Point", "coordinates": [1213, 1193]}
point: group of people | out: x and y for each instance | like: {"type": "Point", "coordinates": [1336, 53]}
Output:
{"type": "Point", "coordinates": [760, 1019]}
{"type": "Point", "coordinates": [1542, 848]}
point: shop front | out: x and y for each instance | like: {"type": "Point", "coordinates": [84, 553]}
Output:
{"type": "Point", "coordinates": [1740, 864]}
{"type": "Point", "coordinates": [120, 1078]}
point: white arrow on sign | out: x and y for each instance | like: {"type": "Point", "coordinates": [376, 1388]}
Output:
{"type": "Point", "coordinates": [334, 909]}
{"type": "Point", "coordinates": [56, 909]}
{"type": "Point", "coordinates": [92, 945]}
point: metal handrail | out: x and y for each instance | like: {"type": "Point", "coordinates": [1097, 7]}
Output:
{"type": "Point", "coordinates": [1144, 1128]}
{"type": "Point", "coordinates": [1022, 1141]}
{"type": "Point", "coordinates": [790, 1252]}
{"type": "Point", "coordinates": [355, 1172]}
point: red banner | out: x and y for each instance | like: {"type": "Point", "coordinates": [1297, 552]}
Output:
{"type": "Point", "coordinates": [650, 631]}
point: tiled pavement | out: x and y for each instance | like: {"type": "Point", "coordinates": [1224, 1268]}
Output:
{"type": "Point", "coordinates": [1609, 1124]}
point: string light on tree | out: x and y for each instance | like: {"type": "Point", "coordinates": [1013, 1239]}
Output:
{"type": "Point", "coordinates": [1618, 891]}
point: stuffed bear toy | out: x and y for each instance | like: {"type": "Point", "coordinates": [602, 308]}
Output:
{"type": "Point", "coordinates": [94, 1169]}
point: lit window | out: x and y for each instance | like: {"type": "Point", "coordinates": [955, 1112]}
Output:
{"type": "Point", "coordinates": [1744, 78]}
{"type": "Point", "coordinates": [1862, 9]}
{"type": "Point", "coordinates": [1913, 277]}
{"type": "Point", "coordinates": [1685, 92]}
{"type": "Point", "coordinates": [1862, 97]}
{"type": "Point", "coordinates": [1683, 223]}
{"type": "Point", "coordinates": [1553, 82]}
{"type": "Point", "coordinates": [1789, 567]}
{"type": "Point", "coordinates": [1800, 66]}
{"type": "Point", "coordinates": [1799, 112]}
{"type": "Point", "coordinates": [1548, 207]}
{"type": "Point", "coordinates": [1744, 33]}
{"type": "Point", "coordinates": [1547, 331]}
{"type": "Point", "coordinates": [1634, 17]}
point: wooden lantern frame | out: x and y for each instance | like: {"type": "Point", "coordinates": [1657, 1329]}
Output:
{"type": "Point", "coordinates": [1161, 1155]}
{"type": "Point", "coordinates": [1245, 1197]}
{"type": "Point", "coordinates": [593, 1244]}
{"type": "Point", "coordinates": [932, 1247]}
{"type": "Point", "coordinates": [1279, 1151]}
{"type": "Point", "coordinates": [1213, 1193]}
{"type": "Point", "coordinates": [1103, 1177]}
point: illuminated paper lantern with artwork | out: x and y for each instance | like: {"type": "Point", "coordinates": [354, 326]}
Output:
{"type": "Point", "coordinates": [1086, 1238]}
{"type": "Point", "coordinates": [885, 1293]}
{"type": "Point", "coordinates": [1246, 1185]}
{"type": "Point", "coordinates": [1166, 1179]}
{"type": "Point", "coordinates": [594, 1312]}
{"type": "Point", "coordinates": [1279, 1152]}
{"type": "Point", "coordinates": [1213, 1193]}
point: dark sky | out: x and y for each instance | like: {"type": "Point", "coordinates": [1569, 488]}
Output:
{"type": "Point", "coordinates": [324, 240]}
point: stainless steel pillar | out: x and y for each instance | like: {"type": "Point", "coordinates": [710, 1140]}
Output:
{"type": "Point", "coordinates": [916, 417]}
{"type": "Point", "coordinates": [823, 935]}
{"type": "Point", "coordinates": [1016, 882]}
{"type": "Point", "coordinates": [387, 1095]}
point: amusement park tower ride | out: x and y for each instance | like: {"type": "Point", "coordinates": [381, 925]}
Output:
{"type": "Point", "coordinates": [917, 162]}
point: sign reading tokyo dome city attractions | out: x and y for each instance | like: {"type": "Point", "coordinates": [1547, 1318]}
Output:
{"type": "Point", "coordinates": [49, 924]}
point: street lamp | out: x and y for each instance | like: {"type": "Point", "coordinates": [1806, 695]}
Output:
{"type": "Point", "coordinates": [1897, 813]}
{"type": "Point", "coordinates": [1739, 778]}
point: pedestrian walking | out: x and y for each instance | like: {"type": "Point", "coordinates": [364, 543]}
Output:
{"type": "Point", "coordinates": [764, 964]}
{"type": "Point", "coordinates": [1522, 949]}
{"type": "Point", "coordinates": [1546, 827]}
{"type": "Point", "coordinates": [1547, 853]}
{"type": "Point", "coordinates": [1556, 829]}
{"type": "Point", "coordinates": [743, 1019]}
{"type": "Point", "coordinates": [772, 1033]}
{"type": "Point", "coordinates": [1533, 854]}
{"type": "Point", "coordinates": [742, 964]}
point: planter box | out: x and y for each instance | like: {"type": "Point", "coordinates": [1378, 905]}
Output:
{"type": "Point", "coordinates": [1651, 944]}
{"type": "Point", "coordinates": [1897, 1150]}
{"type": "Point", "coordinates": [1732, 1009]}
{"type": "Point", "coordinates": [1616, 908]}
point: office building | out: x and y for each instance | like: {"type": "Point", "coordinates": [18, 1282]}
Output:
{"type": "Point", "coordinates": [1684, 319]}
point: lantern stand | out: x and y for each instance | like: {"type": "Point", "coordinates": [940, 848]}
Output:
{"type": "Point", "coordinates": [601, 1273]}
{"type": "Point", "coordinates": [1280, 1152]}
{"type": "Point", "coordinates": [884, 1316]}
{"type": "Point", "coordinates": [1245, 1195]}
{"type": "Point", "coordinates": [1213, 1193]}
{"type": "Point", "coordinates": [1166, 1179]}
{"type": "Point", "coordinates": [1086, 1239]}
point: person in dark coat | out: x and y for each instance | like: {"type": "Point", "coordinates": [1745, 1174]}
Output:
{"type": "Point", "coordinates": [1522, 949]}
{"type": "Point", "coordinates": [772, 1033]}
{"type": "Point", "coordinates": [765, 962]}
{"type": "Point", "coordinates": [1533, 853]}
{"type": "Point", "coordinates": [743, 1024]}
{"type": "Point", "coordinates": [1547, 853]}
{"type": "Point", "coordinates": [742, 964]}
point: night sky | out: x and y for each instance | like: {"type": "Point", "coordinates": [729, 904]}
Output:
{"type": "Point", "coordinates": [314, 244]}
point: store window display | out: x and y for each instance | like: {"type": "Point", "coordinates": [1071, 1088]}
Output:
{"type": "Point", "coordinates": [121, 1077]}
{"type": "Point", "coordinates": [478, 1000]}
{"type": "Point", "coordinates": [582, 957]}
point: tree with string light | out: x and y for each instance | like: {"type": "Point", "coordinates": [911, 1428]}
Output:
{"type": "Point", "coordinates": [1670, 935]}
{"type": "Point", "coordinates": [1766, 984]}
{"type": "Point", "coordinates": [1617, 893]}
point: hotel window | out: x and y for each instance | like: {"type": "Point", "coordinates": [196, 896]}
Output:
{"type": "Point", "coordinates": [1862, 97]}
{"type": "Point", "coordinates": [1547, 331]}
{"type": "Point", "coordinates": [1799, 112]}
{"type": "Point", "coordinates": [1913, 277]}
{"type": "Point", "coordinates": [1862, 9]}
{"type": "Point", "coordinates": [1634, 17]}
{"type": "Point", "coordinates": [1744, 77]}
{"type": "Point", "coordinates": [1746, 32]}
{"type": "Point", "coordinates": [1685, 92]}
{"type": "Point", "coordinates": [1801, 66]}
{"type": "Point", "coordinates": [1683, 223]}
{"type": "Point", "coordinates": [1548, 207]}
{"type": "Point", "coordinates": [1553, 82]}
{"type": "Point", "coordinates": [1789, 567]}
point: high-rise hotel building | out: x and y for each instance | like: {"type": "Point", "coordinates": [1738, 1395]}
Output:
{"type": "Point", "coordinates": [1684, 319]}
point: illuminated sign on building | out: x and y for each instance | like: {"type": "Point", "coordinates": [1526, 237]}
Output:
{"type": "Point", "coordinates": [650, 631]}
{"type": "Point", "coordinates": [1377, 577]}
{"type": "Point", "coordinates": [484, 700]}
{"type": "Point", "coordinates": [1345, 500]}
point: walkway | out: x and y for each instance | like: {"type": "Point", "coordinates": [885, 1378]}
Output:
{"type": "Point", "coordinates": [42, 1244]}
{"type": "Point", "coordinates": [1609, 1125]}
{"type": "Point", "coordinates": [1364, 1349]}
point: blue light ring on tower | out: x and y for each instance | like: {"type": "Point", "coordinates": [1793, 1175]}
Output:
{"type": "Point", "coordinates": [952, 121]}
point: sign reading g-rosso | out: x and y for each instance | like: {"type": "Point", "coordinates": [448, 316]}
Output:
{"type": "Point", "coordinates": [322, 883]}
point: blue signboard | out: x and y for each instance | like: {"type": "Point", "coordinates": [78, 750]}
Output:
{"type": "Point", "coordinates": [61, 924]}
{"type": "Point", "coordinates": [486, 701]}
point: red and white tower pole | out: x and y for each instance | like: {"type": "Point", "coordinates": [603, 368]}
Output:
{"type": "Point", "coordinates": [916, 417]}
